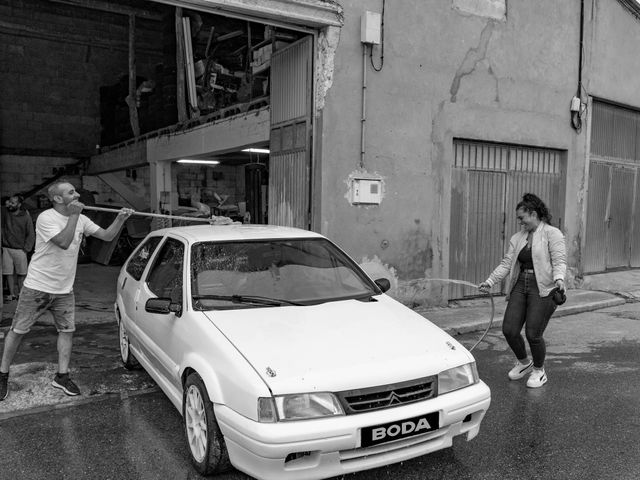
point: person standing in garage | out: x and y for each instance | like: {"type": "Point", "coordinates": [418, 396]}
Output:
{"type": "Point", "coordinates": [18, 238]}
{"type": "Point", "coordinates": [49, 281]}
{"type": "Point", "coordinates": [536, 263]}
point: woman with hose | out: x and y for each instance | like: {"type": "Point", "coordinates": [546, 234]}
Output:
{"type": "Point", "coordinates": [536, 265]}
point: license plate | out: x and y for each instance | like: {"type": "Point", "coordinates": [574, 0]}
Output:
{"type": "Point", "coordinates": [401, 429]}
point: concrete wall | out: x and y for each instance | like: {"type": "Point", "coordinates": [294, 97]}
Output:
{"type": "Point", "coordinates": [447, 73]}
{"type": "Point", "coordinates": [613, 62]}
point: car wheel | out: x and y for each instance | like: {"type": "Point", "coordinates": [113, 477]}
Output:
{"type": "Point", "coordinates": [128, 360]}
{"type": "Point", "coordinates": [206, 443]}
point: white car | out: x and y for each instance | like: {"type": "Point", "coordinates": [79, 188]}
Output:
{"type": "Point", "coordinates": [285, 359]}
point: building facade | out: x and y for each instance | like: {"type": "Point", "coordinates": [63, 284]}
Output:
{"type": "Point", "coordinates": [410, 149]}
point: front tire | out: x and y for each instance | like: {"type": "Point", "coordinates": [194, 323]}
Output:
{"type": "Point", "coordinates": [128, 360]}
{"type": "Point", "coordinates": [205, 440]}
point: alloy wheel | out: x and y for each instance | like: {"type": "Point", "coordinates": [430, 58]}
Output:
{"type": "Point", "coordinates": [196, 423]}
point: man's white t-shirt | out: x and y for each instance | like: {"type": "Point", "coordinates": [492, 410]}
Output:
{"type": "Point", "coordinates": [53, 269]}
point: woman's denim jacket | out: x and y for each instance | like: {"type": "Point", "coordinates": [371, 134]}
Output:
{"type": "Point", "coordinates": [549, 259]}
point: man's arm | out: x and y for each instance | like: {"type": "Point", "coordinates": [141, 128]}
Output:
{"type": "Point", "coordinates": [31, 235]}
{"type": "Point", "coordinates": [113, 229]}
{"type": "Point", "coordinates": [65, 237]}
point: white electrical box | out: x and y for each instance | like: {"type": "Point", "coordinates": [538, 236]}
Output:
{"type": "Point", "coordinates": [370, 26]}
{"type": "Point", "coordinates": [366, 190]}
{"type": "Point", "coordinates": [575, 104]}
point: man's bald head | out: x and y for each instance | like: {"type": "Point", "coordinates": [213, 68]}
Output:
{"type": "Point", "coordinates": [57, 188]}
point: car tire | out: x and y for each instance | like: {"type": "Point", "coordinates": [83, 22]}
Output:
{"type": "Point", "coordinates": [207, 448]}
{"type": "Point", "coordinates": [128, 359]}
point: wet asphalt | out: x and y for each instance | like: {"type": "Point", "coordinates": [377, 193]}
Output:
{"type": "Point", "coordinates": [584, 424]}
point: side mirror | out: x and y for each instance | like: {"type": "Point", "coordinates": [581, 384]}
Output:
{"type": "Point", "coordinates": [383, 284]}
{"type": "Point", "coordinates": [163, 306]}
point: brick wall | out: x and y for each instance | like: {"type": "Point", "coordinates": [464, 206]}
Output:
{"type": "Point", "coordinates": [55, 58]}
{"type": "Point", "coordinates": [203, 182]}
{"type": "Point", "coordinates": [21, 173]}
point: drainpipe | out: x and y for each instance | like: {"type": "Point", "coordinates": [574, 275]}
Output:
{"type": "Point", "coordinates": [576, 107]}
{"type": "Point", "coordinates": [364, 103]}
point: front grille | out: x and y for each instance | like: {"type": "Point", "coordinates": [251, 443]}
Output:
{"type": "Point", "coordinates": [387, 396]}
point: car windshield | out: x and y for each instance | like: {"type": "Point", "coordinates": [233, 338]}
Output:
{"type": "Point", "coordinates": [270, 273]}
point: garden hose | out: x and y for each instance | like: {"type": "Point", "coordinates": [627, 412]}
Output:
{"type": "Point", "coordinates": [469, 284]}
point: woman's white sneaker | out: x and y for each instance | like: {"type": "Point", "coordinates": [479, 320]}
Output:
{"type": "Point", "coordinates": [520, 370]}
{"type": "Point", "coordinates": [537, 378]}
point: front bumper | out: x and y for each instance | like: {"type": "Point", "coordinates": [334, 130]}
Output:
{"type": "Point", "coordinates": [332, 446]}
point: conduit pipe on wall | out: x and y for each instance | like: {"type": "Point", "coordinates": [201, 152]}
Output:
{"type": "Point", "coordinates": [364, 104]}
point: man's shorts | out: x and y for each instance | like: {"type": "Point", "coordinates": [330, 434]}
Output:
{"type": "Point", "coordinates": [33, 303]}
{"type": "Point", "coordinates": [14, 260]}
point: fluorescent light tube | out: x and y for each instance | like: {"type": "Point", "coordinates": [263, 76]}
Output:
{"type": "Point", "coordinates": [201, 162]}
{"type": "Point", "coordinates": [256, 150]}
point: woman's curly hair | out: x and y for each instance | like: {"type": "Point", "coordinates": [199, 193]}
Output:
{"type": "Point", "coordinates": [532, 203]}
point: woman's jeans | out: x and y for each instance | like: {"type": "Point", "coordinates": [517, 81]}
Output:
{"type": "Point", "coordinates": [527, 307]}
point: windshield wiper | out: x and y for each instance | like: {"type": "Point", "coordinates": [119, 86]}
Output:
{"type": "Point", "coordinates": [255, 299]}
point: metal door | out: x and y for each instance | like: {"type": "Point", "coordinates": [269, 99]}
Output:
{"type": "Point", "coordinates": [597, 213]}
{"type": "Point", "coordinates": [290, 157]}
{"type": "Point", "coordinates": [635, 229]}
{"type": "Point", "coordinates": [611, 227]}
{"type": "Point", "coordinates": [477, 218]}
{"type": "Point", "coordinates": [620, 217]}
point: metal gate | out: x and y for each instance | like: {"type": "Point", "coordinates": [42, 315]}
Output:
{"type": "Point", "coordinates": [488, 181]}
{"type": "Point", "coordinates": [611, 225]}
{"type": "Point", "coordinates": [612, 230]}
{"type": "Point", "coordinates": [290, 157]}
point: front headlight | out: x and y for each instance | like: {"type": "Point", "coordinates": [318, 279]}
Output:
{"type": "Point", "coordinates": [299, 406]}
{"type": "Point", "coordinates": [456, 378]}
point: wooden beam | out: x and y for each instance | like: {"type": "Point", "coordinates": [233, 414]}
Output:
{"type": "Point", "coordinates": [131, 98]}
{"type": "Point", "coordinates": [112, 8]}
{"type": "Point", "coordinates": [189, 66]}
{"type": "Point", "coordinates": [180, 92]}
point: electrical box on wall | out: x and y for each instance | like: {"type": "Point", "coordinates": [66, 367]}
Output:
{"type": "Point", "coordinates": [366, 190]}
{"type": "Point", "coordinates": [370, 26]}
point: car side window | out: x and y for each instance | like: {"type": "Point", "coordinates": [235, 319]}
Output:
{"type": "Point", "coordinates": [139, 261]}
{"type": "Point", "coordinates": [165, 276]}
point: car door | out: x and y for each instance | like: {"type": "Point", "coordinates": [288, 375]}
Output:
{"type": "Point", "coordinates": [164, 279]}
{"type": "Point", "coordinates": [129, 283]}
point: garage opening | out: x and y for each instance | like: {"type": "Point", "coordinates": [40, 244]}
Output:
{"type": "Point", "coordinates": [229, 134]}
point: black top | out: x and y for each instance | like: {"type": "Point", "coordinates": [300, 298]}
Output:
{"type": "Point", "coordinates": [524, 257]}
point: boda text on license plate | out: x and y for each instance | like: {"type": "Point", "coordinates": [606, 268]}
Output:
{"type": "Point", "coordinates": [399, 429]}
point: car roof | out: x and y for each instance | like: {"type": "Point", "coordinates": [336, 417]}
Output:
{"type": "Point", "coordinates": [207, 233]}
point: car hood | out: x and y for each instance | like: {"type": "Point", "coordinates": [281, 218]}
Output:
{"type": "Point", "coordinates": [339, 345]}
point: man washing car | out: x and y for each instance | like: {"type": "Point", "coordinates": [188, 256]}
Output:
{"type": "Point", "coordinates": [49, 281]}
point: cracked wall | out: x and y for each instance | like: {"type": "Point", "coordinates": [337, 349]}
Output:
{"type": "Point", "coordinates": [452, 69]}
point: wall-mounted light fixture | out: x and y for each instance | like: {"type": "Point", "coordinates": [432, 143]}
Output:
{"type": "Point", "coordinates": [256, 150]}
{"type": "Point", "coordinates": [200, 162]}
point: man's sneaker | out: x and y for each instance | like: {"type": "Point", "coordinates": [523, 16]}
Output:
{"type": "Point", "coordinates": [520, 370]}
{"type": "Point", "coordinates": [4, 385]}
{"type": "Point", "coordinates": [64, 383]}
{"type": "Point", "coordinates": [537, 378]}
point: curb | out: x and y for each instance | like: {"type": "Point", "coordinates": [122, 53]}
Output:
{"type": "Point", "coordinates": [589, 307]}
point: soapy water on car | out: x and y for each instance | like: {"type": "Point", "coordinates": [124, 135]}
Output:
{"type": "Point", "coordinates": [469, 284]}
